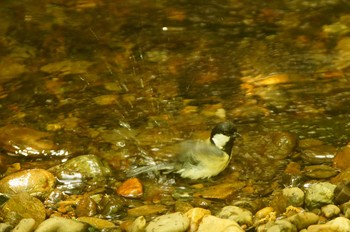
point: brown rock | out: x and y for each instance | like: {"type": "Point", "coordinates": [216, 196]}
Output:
{"type": "Point", "coordinates": [86, 207]}
{"type": "Point", "coordinates": [221, 191]}
{"type": "Point", "coordinates": [25, 141]}
{"type": "Point", "coordinates": [22, 206]}
{"type": "Point", "coordinates": [147, 210]}
{"type": "Point", "coordinates": [98, 223]}
{"type": "Point", "coordinates": [131, 188]}
{"type": "Point", "coordinates": [342, 158]}
{"type": "Point", "coordinates": [36, 182]}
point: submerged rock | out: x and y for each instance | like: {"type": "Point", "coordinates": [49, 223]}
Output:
{"type": "Point", "coordinates": [131, 188]}
{"type": "Point", "coordinates": [342, 158]}
{"type": "Point", "coordinates": [24, 141]}
{"type": "Point", "coordinates": [82, 173]}
{"type": "Point", "coordinates": [22, 206]}
{"type": "Point", "coordinates": [36, 182]}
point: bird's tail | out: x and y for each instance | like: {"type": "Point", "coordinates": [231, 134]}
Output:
{"type": "Point", "coordinates": [150, 168]}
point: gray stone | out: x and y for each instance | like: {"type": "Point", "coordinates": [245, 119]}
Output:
{"type": "Point", "coordinates": [319, 194]}
{"type": "Point", "coordinates": [294, 196]}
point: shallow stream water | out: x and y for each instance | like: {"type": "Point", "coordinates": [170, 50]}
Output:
{"type": "Point", "coordinates": [126, 80]}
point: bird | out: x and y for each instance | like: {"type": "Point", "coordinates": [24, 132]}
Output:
{"type": "Point", "coordinates": [199, 159]}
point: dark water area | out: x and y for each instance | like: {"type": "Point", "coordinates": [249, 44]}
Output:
{"type": "Point", "coordinates": [126, 80]}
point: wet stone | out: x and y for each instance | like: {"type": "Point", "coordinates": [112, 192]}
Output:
{"type": "Point", "coordinates": [342, 158]}
{"type": "Point", "coordinates": [110, 205]}
{"type": "Point", "coordinates": [86, 207]}
{"type": "Point", "coordinates": [294, 196]}
{"type": "Point", "coordinates": [147, 210]}
{"type": "Point", "coordinates": [23, 141]}
{"type": "Point", "coordinates": [82, 173]}
{"type": "Point", "coordinates": [131, 188]}
{"type": "Point", "coordinates": [342, 192]}
{"type": "Point", "coordinates": [220, 191]}
{"type": "Point", "coordinates": [97, 223]}
{"type": "Point", "coordinates": [318, 154]}
{"type": "Point", "coordinates": [37, 182]}
{"type": "Point", "coordinates": [292, 175]}
{"type": "Point", "coordinates": [265, 154]}
{"type": "Point", "coordinates": [22, 206]}
{"type": "Point", "coordinates": [303, 219]}
{"type": "Point", "coordinates": [320, 171]}
{"type": "Point", "coordinates": [175, 222]}
{"type": "Point", "coordinates": [319, 194]}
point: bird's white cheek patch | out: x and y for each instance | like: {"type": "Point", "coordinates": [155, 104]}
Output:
{"type": "Point", "coordinates": [220, 140]}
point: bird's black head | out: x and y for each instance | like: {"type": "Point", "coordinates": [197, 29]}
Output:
{"type": "Point", "coordinates": [223, 136]}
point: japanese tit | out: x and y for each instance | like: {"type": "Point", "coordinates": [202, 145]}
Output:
{"type": "Point", "coordinates": [198, 159]}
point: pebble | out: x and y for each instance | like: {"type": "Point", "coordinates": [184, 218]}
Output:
{"type": "Point", "coordinates": [211, 223]}
{"type": "Point", "coordinates": [303, 219]}
{"type": "Point", "coordinates": [175, 222]}
{"type": "Point", "coordinates": [195, 215]}
{"type": "Point", "coordinates": [294, 196]}
{"type": "Point", "coordinates": [264, 215]}
{"type": "Point", "coordinates": [37, 182]}
{"type": "Point", "coordinates": [59, 224]}
{"type": "Point", "coordinates": [25, 225]}
{"type": "Point", "coordinates": [319, 194]}
{"type": "Point", "coordinates": [131, 188]}
{"type": "Point", "coordinates": [339, 224]}
{"type": "Point", "coordinates": [330, 211]}
{"type": "Point", "coordinates": [21, 206]}
{"type": "Point", "coordinates": [237, 214]}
